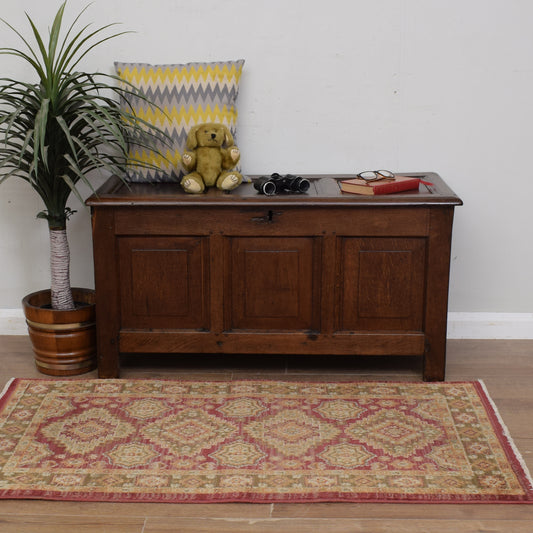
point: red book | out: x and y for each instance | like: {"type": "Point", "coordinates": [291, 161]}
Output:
{"type": "Point", "coordinates": [360, 186]}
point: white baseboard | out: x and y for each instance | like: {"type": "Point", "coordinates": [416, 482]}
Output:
{"type": "Point", "coordinates": [12, 322]}
{"type": "Point", "coordinates": [490, 325]}
{"type": "Point", "coordinates": [460, 325]}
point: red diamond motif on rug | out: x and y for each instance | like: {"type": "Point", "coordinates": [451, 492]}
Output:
{"type": "Point", "coordinates": [256, 441]}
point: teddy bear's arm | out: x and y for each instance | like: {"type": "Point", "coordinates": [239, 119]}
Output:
{"type": "Point", "coordinates": [230, 157]}
{"type": "Point", "coordinates": [188, 160]}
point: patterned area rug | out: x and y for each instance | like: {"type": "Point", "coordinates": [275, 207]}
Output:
{"type": "Point", "coordinates": [256, 441]}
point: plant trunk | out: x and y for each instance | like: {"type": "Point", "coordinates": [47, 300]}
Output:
{"type": "Point", "coordinates": [61, 293]}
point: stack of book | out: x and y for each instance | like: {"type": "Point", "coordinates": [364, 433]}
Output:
{"type": "Point", "coordinates": [384, 186]}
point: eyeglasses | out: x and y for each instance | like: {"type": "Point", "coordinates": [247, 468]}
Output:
{"type": "Point", "coordinates": [376, 175]}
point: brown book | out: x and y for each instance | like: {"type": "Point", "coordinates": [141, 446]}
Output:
{"type": "Point", "coordinates": [386, 186]}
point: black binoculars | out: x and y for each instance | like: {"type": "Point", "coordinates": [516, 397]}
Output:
{"type": "Point", "coordinates": [276, 183]}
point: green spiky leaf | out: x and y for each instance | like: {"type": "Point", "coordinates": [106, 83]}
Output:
{"type": "Point", "coordinates": [57, 130]}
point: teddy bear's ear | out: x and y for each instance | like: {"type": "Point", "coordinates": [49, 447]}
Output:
{"type": "Point", "coordinates": [192, 140]}
{"type": "Point", "coordinates": [228, 137]}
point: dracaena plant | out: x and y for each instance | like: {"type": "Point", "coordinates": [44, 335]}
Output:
{"type": "Point", "coordinates": [57, 130]}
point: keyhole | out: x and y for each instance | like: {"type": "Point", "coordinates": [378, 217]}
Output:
{"type": "Point", "coordinates": [270, 216]}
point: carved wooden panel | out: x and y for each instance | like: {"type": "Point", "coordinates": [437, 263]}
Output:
{"type": "Point", "coordinates": [164, 282]}
{"type": "Point", "coordinates": [272, 283]}
{"type": "Point", "coordinates": [381, 282]}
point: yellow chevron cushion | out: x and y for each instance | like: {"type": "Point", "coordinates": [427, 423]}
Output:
{"type": "Point", "coordinates": [186, 95]}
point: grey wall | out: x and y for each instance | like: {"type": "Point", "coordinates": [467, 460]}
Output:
{"type": "Point", "coordinates": [339, 86]}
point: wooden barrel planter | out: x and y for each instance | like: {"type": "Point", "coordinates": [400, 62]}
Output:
{"type": "Point", "coordinates": [64, 342]}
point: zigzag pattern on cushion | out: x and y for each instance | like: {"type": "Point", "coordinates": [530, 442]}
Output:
{"type": "Point", "coordinates": [186, 72]}
{"type": "Point", "coordinates": [185, 95]}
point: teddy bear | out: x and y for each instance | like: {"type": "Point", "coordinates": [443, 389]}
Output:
{"type": "Point", "coordinates": [208, 161]}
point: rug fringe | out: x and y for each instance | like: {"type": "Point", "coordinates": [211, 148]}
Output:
{"type": "Point", "coordinates": [507, 434]}
{"type": "Point", "coordinates": [6, 388]}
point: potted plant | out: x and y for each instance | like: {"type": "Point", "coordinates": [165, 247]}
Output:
{"type": "Point", "coordinates": [54, 133]}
